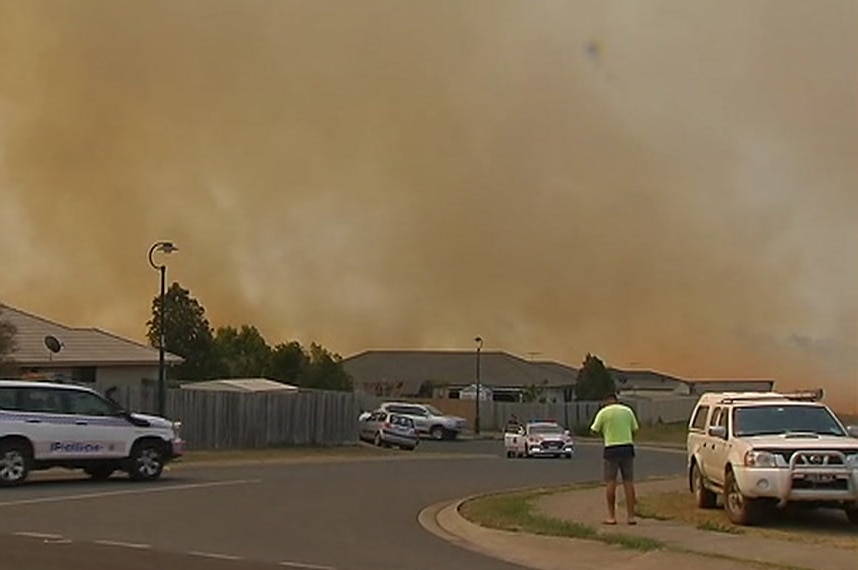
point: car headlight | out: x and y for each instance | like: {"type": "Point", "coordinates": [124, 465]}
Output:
{"type": "Point", "coordinates": [852, 460]}
{"type": "Point", "coordinates": [760, 459]}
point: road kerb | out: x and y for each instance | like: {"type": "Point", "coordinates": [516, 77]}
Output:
{"type": "Point", "coordinates": [550, 552]}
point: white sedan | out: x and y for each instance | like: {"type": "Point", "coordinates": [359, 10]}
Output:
{"type": "Point", "coordinates": [539, 439]}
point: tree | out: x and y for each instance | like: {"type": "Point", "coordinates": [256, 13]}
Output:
{"type": "Point", "coordinates": [243, 352]}
{"type": "Point", "coordinates": [535, 392]}
{"type": "Point", "coordinates": [594, 382]}
{"type": "Point", "coordinates": [8, 345]}
{"type": "Point", "coordinates": [326, 371]}
{"type": "Point", "coordinates": [288, 362]}
{"type": "Point", "coordinates": [187, 334]}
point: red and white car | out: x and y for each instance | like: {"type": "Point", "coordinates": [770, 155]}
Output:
{"type": "Point", "coordinates": [543, 438]}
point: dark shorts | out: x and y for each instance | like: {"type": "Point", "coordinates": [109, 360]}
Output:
{"type": "Point", "coordinates": [619, 459]}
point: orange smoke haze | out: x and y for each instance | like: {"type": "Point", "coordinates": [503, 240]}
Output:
{"type": "Point", "coordinates": [667, 183]}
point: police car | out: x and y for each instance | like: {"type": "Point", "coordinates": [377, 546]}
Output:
{"type": "Point", "coordinates": [538, 438]}
{"type": "Point", "coordinates": [46, 425]}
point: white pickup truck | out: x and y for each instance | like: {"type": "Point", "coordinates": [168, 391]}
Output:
{"type": "Point", "coordinates": [759, 451]}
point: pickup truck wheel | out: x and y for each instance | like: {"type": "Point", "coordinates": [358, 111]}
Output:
{"type": "Point", "coordinates": [703, 497]}
{"type": "Point", "coordinates": [14, 464]}
{"type": "Point", "coordinates": [438, 433]}
{"type": "Point", "coordinates": [100, 472]}
{"type": "Point", "coordinates": [147, 461]}
{"type": "Point", "coordinates": [852, 515]}
{"type": "Point", "coordinates": [740, 509]}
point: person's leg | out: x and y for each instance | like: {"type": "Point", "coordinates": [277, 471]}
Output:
{"type": "Point", "coordinates": [611, 468]}
{"type": "Point", "coordinates": [627, 469]}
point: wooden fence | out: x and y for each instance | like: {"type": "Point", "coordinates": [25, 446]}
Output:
{"type": "Point", "coordinates": [228, 420]}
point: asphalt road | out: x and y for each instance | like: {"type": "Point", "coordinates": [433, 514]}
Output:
{"type": "Point", "coordinates": [356, 515]}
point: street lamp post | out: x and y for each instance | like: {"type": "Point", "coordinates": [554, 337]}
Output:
{"type": "Point", "coordinates": [479, 342]}
{"type": "Point", "coordinates": [163, 247]}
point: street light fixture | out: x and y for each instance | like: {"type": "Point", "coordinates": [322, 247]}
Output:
{"type": "Point", "coordinates": [166, 247]}
{"type": "Point", "coordinates": [479, 341]}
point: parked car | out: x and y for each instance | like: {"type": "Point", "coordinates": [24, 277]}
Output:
{"type": "Point", "coordinates": [385, 429]}
{"type": "Point", "coordinates": [430, 421]}
{"type": "Point", "coordinates": [45, 425]}
{"type": "Point", "coordinates": [539, 438]}
{"type": "Point", "coordinates": [765, 450]}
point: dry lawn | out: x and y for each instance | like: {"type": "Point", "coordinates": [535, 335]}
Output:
{"type": "Point", "coordinates": [816, 526]}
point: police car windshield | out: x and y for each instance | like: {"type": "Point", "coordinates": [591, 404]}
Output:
{"type": "Point", "coordinates": [775, 420]}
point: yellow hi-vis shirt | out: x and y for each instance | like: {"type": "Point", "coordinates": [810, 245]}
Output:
{"type": "Point", "coordinates": [617, 424]}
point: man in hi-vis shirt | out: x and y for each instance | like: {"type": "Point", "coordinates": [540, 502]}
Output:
{"type": "Point", "coordinates": [617, 424]}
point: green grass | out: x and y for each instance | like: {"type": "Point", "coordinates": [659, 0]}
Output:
{"type": "Point", "coordinates": [719, 527]}
{"type": "Point", "coordinates": [674, 433]}
{"type": "Point", "coordinates": [515, 512]}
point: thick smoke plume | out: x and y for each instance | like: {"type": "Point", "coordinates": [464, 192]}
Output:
{"type": "Point", "coordinates": [666, 183]}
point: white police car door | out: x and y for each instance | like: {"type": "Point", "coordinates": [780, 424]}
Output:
{"type": "Point", "coordinates": [40, 413]}
{"type": "Point", "coordinates": [97, 430]}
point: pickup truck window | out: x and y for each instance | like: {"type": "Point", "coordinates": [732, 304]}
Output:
{"type": "Point", "coordinates": [699, 421]}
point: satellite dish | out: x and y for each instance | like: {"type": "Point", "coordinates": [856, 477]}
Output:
{"type": "Point", "coordinates": [53, 344]}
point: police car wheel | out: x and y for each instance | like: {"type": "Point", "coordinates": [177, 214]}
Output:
{"type": "Point", "coordinates": [14, 464]}
{"type": "Point", "coordinates": [147, 461]}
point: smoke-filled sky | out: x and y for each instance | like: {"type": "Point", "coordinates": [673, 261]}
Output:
{"type": "Point", "coordinates": [668, 184]}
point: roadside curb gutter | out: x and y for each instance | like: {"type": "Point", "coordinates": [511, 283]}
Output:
{"type": "Point", "coordinates": [541, 552]}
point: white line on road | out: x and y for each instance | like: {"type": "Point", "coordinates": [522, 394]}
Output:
{"type": "Point", "coordinates": [306, 566]}
{"type": "Point", "coordinates": [214, 555]}
{"type": "Point", "coordinates": [62, 498]}
{"type": "Point", "coordinates": [123, 544]}
{"type": "Point", "coordinates": [40, 535]}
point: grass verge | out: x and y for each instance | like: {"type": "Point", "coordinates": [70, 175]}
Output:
{"type": "Point", "coordinates": [515, 512]}
{"type": "Point", "coordinates": [820, 526]}
{"type": "Point", "coordinates": [673, 433]}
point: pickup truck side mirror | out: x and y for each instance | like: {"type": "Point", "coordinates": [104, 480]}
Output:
{"type": "Point", "coordinates": [852, 431]}
{"type": "Point", "coordinates": [718, 431]}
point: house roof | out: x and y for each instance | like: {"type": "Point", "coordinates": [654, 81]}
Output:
{"type": "Point", "coordinates": [645, 379]}
{"type": "Point", "coordinates": [80, 346]}
{"type": "Point", "coordinates": [457, 368]}
{"type": "Point", "coordinates": [240, 385]}
{"type": "Point", "coordinates": [736, 381]}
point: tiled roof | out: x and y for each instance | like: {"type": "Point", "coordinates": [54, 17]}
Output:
{"type": "Point", "coordinates": [456, 368]}
{"type": "Point", "coordinates": [81, 346]}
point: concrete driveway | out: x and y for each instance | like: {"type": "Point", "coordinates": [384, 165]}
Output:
{"type": "Point", "coordinates": [349, 515]}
